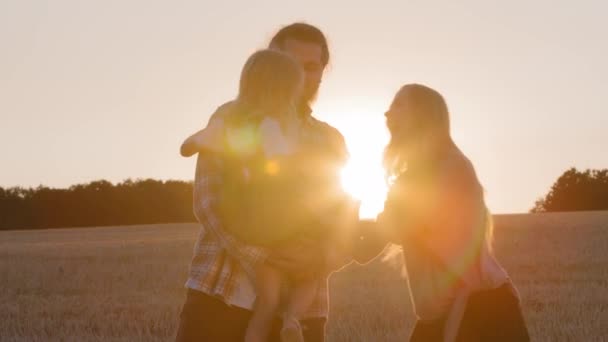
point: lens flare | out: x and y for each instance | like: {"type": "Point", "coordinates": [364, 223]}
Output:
{"type": "Point", "coordinates": [272, 167]}
{"type": "Point", "coordinates": [243, 140]}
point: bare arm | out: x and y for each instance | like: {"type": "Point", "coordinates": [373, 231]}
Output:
{"type": "Point", "coordinates": [209, 137]}
{"type": "Point", "coordinates": [189, 146]}
{"type": "Point", "coordinates": [446, 214]}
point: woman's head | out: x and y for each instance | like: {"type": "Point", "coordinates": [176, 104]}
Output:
{"type": "Point", "coordinates": [419, 125]}
{"type": "Point", "coordinates": [271, 82]}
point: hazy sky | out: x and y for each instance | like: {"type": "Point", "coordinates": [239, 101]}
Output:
{"type": "Point", "coordinates": [108, 89]}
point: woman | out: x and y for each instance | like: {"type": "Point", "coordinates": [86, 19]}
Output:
{"type": "Point", "coordinates": [435, 210]}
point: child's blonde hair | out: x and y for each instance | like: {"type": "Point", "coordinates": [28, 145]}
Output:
{"type": "Point", "coordinates": [270, 85]}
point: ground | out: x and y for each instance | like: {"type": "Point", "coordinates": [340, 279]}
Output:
{"type": "Point", "coordinates": [126, 283]}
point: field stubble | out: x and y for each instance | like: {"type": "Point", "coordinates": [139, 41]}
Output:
{"type": "Point", "coordinates": [126, 283]}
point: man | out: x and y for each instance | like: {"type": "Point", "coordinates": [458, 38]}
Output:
{"type": "Point", "coordinates": [220, 293]}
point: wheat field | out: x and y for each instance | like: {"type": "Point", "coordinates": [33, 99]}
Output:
{"type": "Point", "coordinates": [126, 283]}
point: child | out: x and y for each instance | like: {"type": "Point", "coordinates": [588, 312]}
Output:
{"type": "Point", "coordinates": [269, 173]}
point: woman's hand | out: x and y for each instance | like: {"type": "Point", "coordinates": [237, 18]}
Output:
{"type": "Point", "coordinates": [369, 241]}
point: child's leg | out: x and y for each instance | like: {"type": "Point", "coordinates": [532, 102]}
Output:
{"type": "Point", "coordinates": [268, 290]}
{"type": "Point", "coordinates": [301, 296]}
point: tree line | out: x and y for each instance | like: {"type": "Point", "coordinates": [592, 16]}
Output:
{"type": "Point", "coordinates": [98, 203]}
{"type": "Point", "coordinates": [149, 201]}
{"type": "Point", "coordinates": [576, 190]}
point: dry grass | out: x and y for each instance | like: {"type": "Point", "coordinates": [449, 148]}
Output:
{"type": "Point", "coordinates": [125, 283]}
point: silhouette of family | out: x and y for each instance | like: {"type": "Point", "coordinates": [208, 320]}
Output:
{"type": "Point", "coordinates": [275, 222]}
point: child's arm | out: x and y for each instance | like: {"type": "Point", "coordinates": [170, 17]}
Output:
{"type": "Point", "coordinates": [210, 137]}
{"type": "Point", "coordinates": [190, 146]}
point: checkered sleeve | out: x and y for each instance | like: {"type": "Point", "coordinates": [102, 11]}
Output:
{"type": "Point", "coordinates": [208, 179]}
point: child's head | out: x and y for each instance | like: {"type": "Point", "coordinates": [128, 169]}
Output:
{"type": "Point", "coordinates": [271, 82]}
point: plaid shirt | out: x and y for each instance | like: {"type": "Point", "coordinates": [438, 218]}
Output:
{"type": "Point", "coordinates": [221, 265]}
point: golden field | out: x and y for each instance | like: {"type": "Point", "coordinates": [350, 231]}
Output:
{"type": "Point", "coordinates": [126, 283]}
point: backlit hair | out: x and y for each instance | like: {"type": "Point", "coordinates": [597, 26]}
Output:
{"type": "Point", "coordinates": [301, 32]}
{"type": "Point", "coordinates": [428, 142]}
{"type": "Point", "coordinates": [429, 122]}
{"type": "Point", "coordinates": [270, 83]}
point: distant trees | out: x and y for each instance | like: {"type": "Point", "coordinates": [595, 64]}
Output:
{"type": "Point", "coordinates": [575, 191]}
{"type": "Point", "coordinates": [148, 201]}
{"type": "Point", "coordinates": [97, 203]}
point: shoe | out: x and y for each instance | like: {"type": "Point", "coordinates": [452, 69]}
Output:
{"type": "Point", "coordinates": [292, 332]}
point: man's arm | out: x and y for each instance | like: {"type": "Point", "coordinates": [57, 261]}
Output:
{"type": "Point", "coordinates": [207, 183]}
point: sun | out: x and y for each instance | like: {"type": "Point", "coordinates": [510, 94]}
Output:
{"type": "Point", "coordinates": [363, 127]}
{"type": "Point", "coordinates": [363, 176]}
{"type": "Point", "coordinates": [364, 180]}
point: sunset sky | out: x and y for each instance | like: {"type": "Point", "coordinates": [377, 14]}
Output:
{"type": "Point", "coordinates": [109, 89]}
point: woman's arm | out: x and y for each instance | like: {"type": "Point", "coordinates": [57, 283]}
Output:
{"type": "Point", "coordinates": [445, 214]}
{"type": "Point", "coordinates": [457, 218]}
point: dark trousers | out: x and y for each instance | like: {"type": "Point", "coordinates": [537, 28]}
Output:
{"type": "Point", "coordinates": [206, 318]}
{"type": "Point", "coordinates": [491, 315]}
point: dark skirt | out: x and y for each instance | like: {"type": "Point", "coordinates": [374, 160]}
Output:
{"type": "Point", "coordinates": [490, 315]}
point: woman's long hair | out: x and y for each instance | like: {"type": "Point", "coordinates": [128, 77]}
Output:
{"type": "Point", "coordinates": [427, 131]}
{"type": "Point", "coordinates": [421, 139]}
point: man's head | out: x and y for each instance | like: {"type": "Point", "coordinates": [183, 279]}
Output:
{"type": "Point", "coordinates": [308, 46]}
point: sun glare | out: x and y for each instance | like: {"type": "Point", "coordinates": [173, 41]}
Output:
{"type": "Point", "coordinates": [364, 180]}
{"type": "Point", "coordinates": [363, 127]}
{"type": "Point", "coordinates": [363, 176]}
